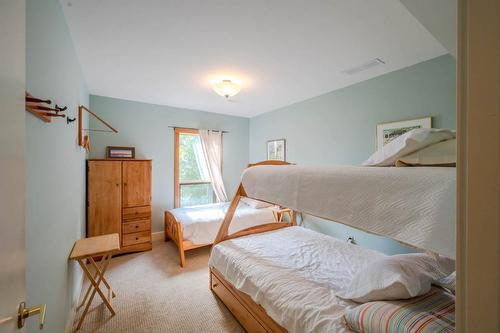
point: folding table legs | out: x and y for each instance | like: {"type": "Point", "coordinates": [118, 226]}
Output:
{"type": "Point", "coordinates": [94, 285]}
{"type": "Point", "coordinates": [98, 271]}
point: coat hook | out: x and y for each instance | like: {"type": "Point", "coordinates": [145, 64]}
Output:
{"type": "Point", "coordinates": [70, 120]}
{"type": "Point", "coordinates": [60, 109]}
{"type": "Point", "coordinates": [32, 99]}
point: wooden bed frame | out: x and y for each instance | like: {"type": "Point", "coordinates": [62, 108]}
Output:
{"type": "Point", "coordinates": [251, 315]}
{"type": "Point", "coordinates": [173, 231]}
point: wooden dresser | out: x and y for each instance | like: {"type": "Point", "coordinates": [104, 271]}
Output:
{"type": "Point", "coordinates": [119, 201]}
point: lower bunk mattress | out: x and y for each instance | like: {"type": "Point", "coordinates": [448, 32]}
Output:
{"type": "Point", "coordinates": [294, 274]}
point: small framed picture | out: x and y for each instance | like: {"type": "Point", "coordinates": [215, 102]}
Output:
{"type": "Point", "coordinates": [120, 152]}
{"type": "Point", "coordinates": [387, 132]}
{"type": "Point", "coordinates": [276, 150]}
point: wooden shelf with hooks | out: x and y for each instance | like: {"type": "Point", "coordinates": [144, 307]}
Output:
{"type": "Point", "coordinates": [41, 108]}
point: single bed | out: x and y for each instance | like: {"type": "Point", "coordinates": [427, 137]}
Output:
{"type": "Point", "coordinates": [197, 226]}
{"type": "Point", "coordinates": [293, 274]}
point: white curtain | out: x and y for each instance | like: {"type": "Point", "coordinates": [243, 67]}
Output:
{"type": "Point", "coordinates": [211, 143]}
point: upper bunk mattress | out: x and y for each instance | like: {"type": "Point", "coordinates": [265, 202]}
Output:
{"type": "Point", "coordinates": [414, 205]}
{"type": "Point", "coordinates": [200, 224]}
{"type": "Point", "coordinates": [294, 273]}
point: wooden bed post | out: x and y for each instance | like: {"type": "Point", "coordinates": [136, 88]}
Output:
{"type": "Point", "coordinates": [224, 228]}
{"type": "Point", "coordinates": [182, 257]}
{"type": "Point", "coordinates": [222, 234]}
{"type": "Point", "coordinates": [294, 218]}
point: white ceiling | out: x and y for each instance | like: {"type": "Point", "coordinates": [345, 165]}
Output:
{"type": "Point", "coordinates": [283, 51]}
{"type": "Point", "coordinates": [439, 17]}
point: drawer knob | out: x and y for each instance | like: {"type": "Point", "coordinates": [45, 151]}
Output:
{"type": "Point", "coordinates": [137, 238]}
{"type": "Point", "coordinates": [136, 226]}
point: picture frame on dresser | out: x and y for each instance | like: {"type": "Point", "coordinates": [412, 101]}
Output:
{"type": "Point", "coordinates": [120, 152]}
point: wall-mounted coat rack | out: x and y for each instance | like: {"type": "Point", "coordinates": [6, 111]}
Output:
{"type": "Point", "coordinates": [83, 139]}
{"type": "Point", "coordinates": [42, 109]}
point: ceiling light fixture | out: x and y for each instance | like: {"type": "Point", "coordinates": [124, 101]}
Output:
{"type": "Point", "coordinates": [226, 88]}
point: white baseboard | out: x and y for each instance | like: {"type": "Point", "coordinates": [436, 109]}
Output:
{"type": "Point", "coordinates": [159, 235]}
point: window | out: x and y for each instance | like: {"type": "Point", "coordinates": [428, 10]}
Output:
{"type": "Point", "coordinates": [192, 182]}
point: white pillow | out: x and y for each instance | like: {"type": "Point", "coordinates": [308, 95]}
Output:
{"type": "Point", "coordinates": [442, 153]}
{"type": "Point", "coordinates": [447, 282]}
{"type": "Point", "coordinates": [408, 143]}
{"type": "Point", "coordinates": [256, 204]}
{"type": "Point", "coordinates": [399, 276]}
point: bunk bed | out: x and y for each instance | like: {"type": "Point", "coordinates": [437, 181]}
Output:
{"type": "Point", "coordinates": [413, 205]}
{"type": "Point", "coordinates": [257, 276]}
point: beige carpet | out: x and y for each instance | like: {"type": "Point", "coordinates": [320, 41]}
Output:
{"type": "Point", "coordinates": [155, 295]}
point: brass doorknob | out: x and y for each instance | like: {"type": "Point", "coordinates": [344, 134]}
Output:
{"type": "Point", "coordinates": [24, 313]}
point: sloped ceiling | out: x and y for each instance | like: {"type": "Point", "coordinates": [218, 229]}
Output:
{"type": "Point", "coordinates": [439, 17]}
{"type": "Point", "coordinates": [283, 51]}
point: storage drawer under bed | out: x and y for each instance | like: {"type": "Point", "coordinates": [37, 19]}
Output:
{"type": "Point", "coordinates": [239, 311]}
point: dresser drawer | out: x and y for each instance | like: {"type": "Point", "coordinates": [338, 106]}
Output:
{"type": "Point", "coordinates": [136, 238]}
{"type": "Point", "coordinates": [136, 226]}
{"type": "Point", "coordinates": [136, 213]}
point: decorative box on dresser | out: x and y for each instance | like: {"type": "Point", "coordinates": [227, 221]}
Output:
{"type": "Point", "coordinates": [119, 201]}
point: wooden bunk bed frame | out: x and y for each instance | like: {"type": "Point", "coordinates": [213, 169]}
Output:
{"type": "Point", "coordinates": [250, 315]}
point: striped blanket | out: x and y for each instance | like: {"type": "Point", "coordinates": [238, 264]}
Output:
{"type": "Point", "coordinates": [433, 312]}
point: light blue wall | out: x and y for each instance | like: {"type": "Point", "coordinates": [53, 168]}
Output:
{"type": "Point", "coordinates": [55, 166]}
{"type": "Point", "coordinates": [339, 127]}
{"type": "Point", "coordinates": [146, 127]}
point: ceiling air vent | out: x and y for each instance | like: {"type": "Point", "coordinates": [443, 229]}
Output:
{"type": "Point", "coordinates": [365, 66]}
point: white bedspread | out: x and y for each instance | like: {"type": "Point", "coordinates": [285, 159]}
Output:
{"type": "Point", "coordinates": [294, 273]}
{"type": "Point", "coordinates": [200, 224]}
{"type": "Point", "coordinates": [415, 205]}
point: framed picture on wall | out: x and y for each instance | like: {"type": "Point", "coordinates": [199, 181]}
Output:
{"type": "Point", "coordinates": [120, 152]}
{"type": "Point", "coordinates": [276, 150]}
{"type": "Point", "coordinates": [387, 132]}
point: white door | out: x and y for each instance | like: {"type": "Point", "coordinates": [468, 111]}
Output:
{"type": "Point", "coordinates": [12, 168]}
